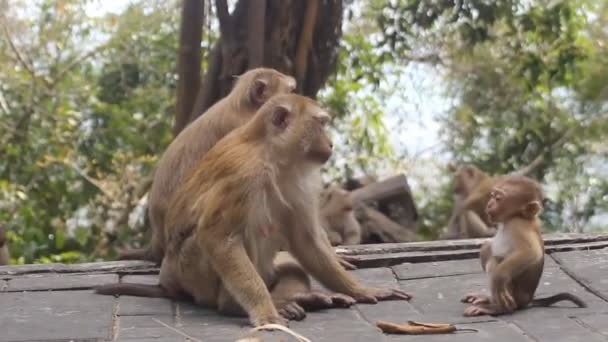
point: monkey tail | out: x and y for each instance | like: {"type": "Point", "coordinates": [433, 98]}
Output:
{"type": "Point", "coordinates": [139, 290]}
{"type": "Point", "coordinates": [547, 301]}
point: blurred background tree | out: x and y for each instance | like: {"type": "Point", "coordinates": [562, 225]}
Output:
{"type": "Point", "coordinates": [91, 92]}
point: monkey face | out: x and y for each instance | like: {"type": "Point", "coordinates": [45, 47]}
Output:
{"type": "Point", "coordinates": [465, 179]}
{"type": "Point", "coordinates": [297, 126]}
{"type": "Point", "coordinates": [511, 199]}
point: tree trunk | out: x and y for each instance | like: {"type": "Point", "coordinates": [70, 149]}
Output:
{"type": "Point", "coordinates": [189, 61]}
{"type": "Point", "coordinates": [297, 37]}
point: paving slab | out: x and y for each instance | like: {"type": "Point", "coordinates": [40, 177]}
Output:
{"type": "Point", "coordinates": [137, 306]}
{"type": "Point", "coordinates": [56, 315]}
{"type": "Point", "coordinates": [40, 282]}
{"type": "Point", "coordinates": [147, 279]}
{"type": "Point", "coordinates": [589, 267]}
{"type": "Point", "coordinates": [48, 303]}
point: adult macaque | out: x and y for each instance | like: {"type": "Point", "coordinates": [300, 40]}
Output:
{"type": "Point", "coordinates": [255, 192]}
{"type": "Point", "coordinates": [4, 255]}
{"type": "Point", "coordinates": [514, 258]}
{"type": "Point", "coordinates": [472, 189]}
{"type": "Point", "coordinates": [251, 90]}
{"type": "Point", "coordinates": [338, 217]}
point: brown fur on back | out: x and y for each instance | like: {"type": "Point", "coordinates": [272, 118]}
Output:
{"type": "Point", "coordinates": [194, 142]}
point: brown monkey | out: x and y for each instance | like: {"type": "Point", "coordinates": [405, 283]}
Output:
{"type": "Point", "coordinates": [250, 91]}
{"type": "Point", "coordinates": [338, 217]}
{"type": "Point", "coordinates": [514, 258]}
{"type": "Point", "coordinates": [254, 192]}
{"type": "Point", "coordinates": [472, 189]}
{"type": "Point", "coordinates": [4, 255]}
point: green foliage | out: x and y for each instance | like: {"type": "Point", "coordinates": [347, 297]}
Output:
{"type": "Point", "coordinates": [86, 108]}
{"type": "Point", "coordinates": [525, 76]}
{"type": "Point", "coordinates": [84, 117]}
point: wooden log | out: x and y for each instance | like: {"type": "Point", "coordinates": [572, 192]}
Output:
{"type": "Point", "coordinates": [379, 228]}
{"type": "Point", "coordinates": [390, 188]}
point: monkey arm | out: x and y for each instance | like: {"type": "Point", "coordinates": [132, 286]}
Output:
{"type": "Point", "coordinates": [313, 252]}
{"type": "Point", "coordinates": [474, 226]}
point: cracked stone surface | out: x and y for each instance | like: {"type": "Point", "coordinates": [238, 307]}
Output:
{"type": "Point", "coordinates": [55, 306]}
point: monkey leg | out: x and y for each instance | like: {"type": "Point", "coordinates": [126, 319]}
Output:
{"type": "Point", "coordinates": [293, 284]}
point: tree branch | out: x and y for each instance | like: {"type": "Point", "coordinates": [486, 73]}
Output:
{"type": "Point", "coordinates": [189, 62]}
{"type": "Point", "coordinates": [305, 42]}
{"type": "Point", "coordinates": [226, 28]}
{"type": "Point", "coordinates": [256, 33]}
{"type": "Point", "coordinates": [208, 91]}
{"type": "Point", "coordinates": [534, 164]}
{"type": "Point", "coordinates": [18, 55]}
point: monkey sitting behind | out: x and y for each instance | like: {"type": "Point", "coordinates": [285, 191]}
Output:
{"type": "Point", "coordinates": [255, 192]}
{"type": "Point", "coordinates": [514, 258]}
{"type": "Point", "coordinates": [338, 217]}
{"type": "Point", "coordinates": [251, 90]}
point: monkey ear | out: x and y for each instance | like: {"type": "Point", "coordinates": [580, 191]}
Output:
{"type": "Point", "coordinates": [531, 209]}
{"type": "Point", "coordinates": [258, 90]}
{"type": "Point", "coordinates": [280, 116]}
{"type": "Point", "coordinates": [452, 167]}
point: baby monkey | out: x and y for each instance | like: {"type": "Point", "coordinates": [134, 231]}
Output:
{"type": "Point", "coordinates": [514, 258]}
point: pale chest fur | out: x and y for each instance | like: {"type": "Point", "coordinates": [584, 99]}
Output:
{"type": "Point", "coordinates": [502, 243]}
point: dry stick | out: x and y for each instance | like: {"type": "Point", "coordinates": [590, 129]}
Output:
{"type": "Point", "coordinates": [175, 330]}
{"type": "Point", "coordinates": [541, 157]}
{"type": "Point", "coordinates": [272, 326]}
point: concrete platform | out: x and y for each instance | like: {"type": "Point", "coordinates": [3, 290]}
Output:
{"type": "Point", "coordinates": [54, 302]}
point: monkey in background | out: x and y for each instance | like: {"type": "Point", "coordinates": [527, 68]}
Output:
{"type": "Point", "coordinates": [256, 191]}
{"type": "Point", "coordinates": [4, 254]}
{"type": "Point", "coordinates": [472, 189]}
{"type": "Point", "coordinates": [338, 217]}
{"type": "Point", "coordinates": [252, 89]}
{"type": "Point", "coordinates": [514, 258]}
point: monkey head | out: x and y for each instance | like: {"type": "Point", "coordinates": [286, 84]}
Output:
{"type": "Point", "coordinates": [294, 126]}
{"type": "Point", "coordinates": [514, 196]}
{"type": "Point", "coordinates": [466, 178]}
{"type": "Point", "coordinates": [261, 84]}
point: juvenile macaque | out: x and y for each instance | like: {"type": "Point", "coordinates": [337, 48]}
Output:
{"type": "Point", "coordinates": [251, 90]}
{"type": "Point", "coordinates": [472, 189]}
{"type": "Point", "coordinates": [338, 217]}
{"type": "Point", "coordinates": [254, 192]}
{"type": "Point", "coordinates": [4, 255]}
{"type": "Point", "coordinates": [514, 258]}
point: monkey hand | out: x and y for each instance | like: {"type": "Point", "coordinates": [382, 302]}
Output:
{"type": "Point", "coordinates": [374, 294]}
{"type": "Point", "coordinates": [345, 261]}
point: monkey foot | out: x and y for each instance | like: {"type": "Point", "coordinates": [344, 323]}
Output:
{"type": "Point", "coordinates": [475, 298]}
{"type": "Point", "coordinates": [291, 311]}
{"type": "Point", "coordinates": [316, 300]}
{"type": "Point", "coordinates": [480, 310]}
